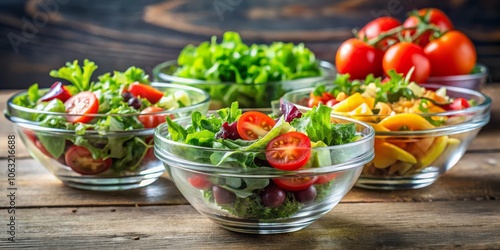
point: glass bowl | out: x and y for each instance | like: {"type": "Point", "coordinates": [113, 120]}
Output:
{"type": "Point", "coordinates": [416, 159]}
{"type": "Point", "coordinates": [132, 163]}
{"type": "Point", "coordinates": [232, 196]}
{"type": "Point", "coordinates": [247, 95]}
{"type": "Point", "coordinates": [475, 81]}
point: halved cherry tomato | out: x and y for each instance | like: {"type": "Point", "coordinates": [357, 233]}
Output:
{"type": "Point", "coordinates": [145, 91]}
{"type": "Point", "coordinates": [451, 54]}
{"type": "Point", "coordinates": [377, 26]}
{"type": "Point", "coordinates": [149, 119]}
{"type": "Point", "coordinates": [80, 160]}
{"type": "Point", "coordinates": [84, 103]}
{"type": "Point", "coordinates": [199, 182]}
{"type": "Point", "coordinates": [436, 17]}
{"type": "Point", "coordinates": [457, 104]}
{"type": "Point", "coordinates": [295, 184]}
{"type": "Point", "coordinates": [254, 124]}
{"type": "Point", "coordinates": [57, 90]}
{"type": "Point", "coordinates": [358, 59]}
{"type": "Point", "coordinates": [322, 179]}
{"type": "Point", "coordinates": [405, 55]}
{"type": "Point", "coordinates": [289, 151]}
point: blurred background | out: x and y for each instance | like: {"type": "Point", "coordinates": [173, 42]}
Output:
{"type": "Point", "coordinates": [39, 35]}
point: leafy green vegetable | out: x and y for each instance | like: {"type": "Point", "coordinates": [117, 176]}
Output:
{"type": "Point", "coordinates": [316, 123]}
{"type": "Point", "coordinates": [247, 66]}
{"type": "Point", "coordinates": [74, 73]}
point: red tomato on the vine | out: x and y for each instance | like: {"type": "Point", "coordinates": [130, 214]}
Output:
{"type": "Point", "coordinates": [375, 27]}
{"type": "Point", "coordinates": [358, 59]}
{"type": "Point", "coordinates": [403, 56]}
{"type": "Point", "coordinates": [451, 54]}
{"type": "Point", "coordinates": [436, 17]}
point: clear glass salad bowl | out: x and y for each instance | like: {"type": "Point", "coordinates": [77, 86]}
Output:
{"type": "Point", "coordinates": [248, 95]}
{"type": "Point", "coordinates": [475, 81]}
{"type": "Point", "coordinates": [208, 187]}
{"type": "Point", "coordinates": [416, 158]}
{"type": "Point", "coordinates": [132, 164]}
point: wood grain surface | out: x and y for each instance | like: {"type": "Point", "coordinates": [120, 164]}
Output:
{"type": "Point", "coordinates": [430, 225]}
{"type": "Point", "coordinates": [40, 35]}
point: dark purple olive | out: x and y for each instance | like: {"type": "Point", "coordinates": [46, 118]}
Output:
{"type": "Point", "coordinates": [273, 196]}
{"type": "Point", "coordinates": [135, 103]}
{"type": "Point", "coordinates": [223, 196]}
{"type": "Point", "coordinates": [307, 195]}
{"type": "Point", "coordinates": [127, 95]}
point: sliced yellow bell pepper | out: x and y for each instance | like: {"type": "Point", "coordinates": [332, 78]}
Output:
{"type": "Point", "coordinates": [405, 121]}
{"type": "Point", "coordinates": [349, 104]}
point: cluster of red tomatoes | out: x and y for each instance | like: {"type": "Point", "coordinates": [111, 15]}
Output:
{"type": "Point", "coordinates": [426, 40]}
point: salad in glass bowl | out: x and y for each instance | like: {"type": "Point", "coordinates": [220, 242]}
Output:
{"type": "Point", "coordinates": [98, 135]}
{"type": "Point", "coordinates": [254, 75]}
{"type": "Point", "coordinates": [255, 172]}
{"type": "Point", "coordinates": [422, 130]}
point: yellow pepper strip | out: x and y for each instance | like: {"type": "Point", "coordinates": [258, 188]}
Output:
{"type": "Point", "coordinates": [349, 104]}
{"type": "Point", "coordinates": [387, 154]}
{"type": "Point", "coordinates": [405, 121]}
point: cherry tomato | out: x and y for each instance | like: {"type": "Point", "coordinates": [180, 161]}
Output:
{"type": "Point", "coordinates": [377, 26]}
{"type": "Point", "coordinates": [149, 119]}
{"type": "Point", "coordinates": [331, 102]}
{"type": "Point", "coordinates": [451, 54]}
{"type": "Point", "coordinates": [436, 17]}
{"type": "Point", "coordinates": [358, 59]}
{"type": "Point", "coordinates": [322, 179]}
{"type": "Point", "coordinates": [405, 55]}
{"type": "Point", "coordinates": [295, 184]}
{"type": "Point", "coordinates": [457, 104]}
{"type": "Point", "coordinates": [84, 104]}
{"type": "Point", "coordinates": [199, 182]}
{"type": "Point", "coordinates": [289, 151]}
{"type": "Point", "coordinates": [81, 161]}
{"type": "Point", "coordinates": [316, 100]}
{"type": "Point", "coordinates": [57, 90]}
{"type": "Point", "coordinates": [253, 124]}
{"type": "Point", "coordinates": [145, 91]}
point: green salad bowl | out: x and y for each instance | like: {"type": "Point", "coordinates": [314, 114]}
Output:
{"type": "Point", "coordinates": [132, 163]}
{"type": "Point", "coordinates": [248, 95]}
{"type": "Point", "coordinates": [263, 200]}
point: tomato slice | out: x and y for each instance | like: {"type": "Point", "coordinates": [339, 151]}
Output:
{"type": "Point", "coordinates": [253, 124]}
{"type": "Point", "coordinates": [295, 184]}
{"type": "Point", "coordinates": [322, 179]}
{"type": "Point", "coordinates": [80, 160]}
{"type": "Point", "coordinates": [199, 182]}
{"type": "Point", "coordinates": [57, 90]}
{"type": "Point", "coordinates": [145, 91]}
{"type": "Point", "coordinates": [151, 120]}
{"type": "Point", "coordinates": [289, 151]}
{"type": "Point", "coordinates": [457, 104]}
{"type": "Point", "coordinates": [84, 103]}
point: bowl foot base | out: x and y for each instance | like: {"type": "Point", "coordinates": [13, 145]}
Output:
{"type": "Point", "coordinates": [395, 183]}
{"type": "Point", "coordinates": [110, 184]}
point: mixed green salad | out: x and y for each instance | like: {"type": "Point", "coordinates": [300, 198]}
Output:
{"type": "Point", "coordinates": [117, 101]}
{"type": "Point", "coordinates": [247, 68]}
{"type": "Point", "coordinates": [255, 141]}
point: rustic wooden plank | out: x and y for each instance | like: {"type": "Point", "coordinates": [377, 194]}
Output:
{"type": "Point", "coordinates": [467, 225]}
{"type": "Point", "coordinates": [475, 177]}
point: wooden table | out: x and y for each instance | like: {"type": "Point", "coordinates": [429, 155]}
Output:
{"type": "Point", "coordinates": [461, 210]}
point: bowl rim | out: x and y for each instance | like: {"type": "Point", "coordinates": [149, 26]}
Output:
{"type": "Point", "coordinates": [368, 137]}
{"type": "Point", "coordinates": [442, 130]}
{"type": "Point", "coordinates": [483, 72]}
{"type": "Point", "coordinates": [327, 69]}
{"type": "Point", "coordinates": [35, 125]}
